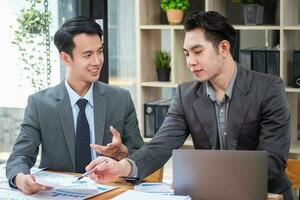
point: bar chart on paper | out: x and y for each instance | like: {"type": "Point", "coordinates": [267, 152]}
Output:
{"type": "Point", "coordinates": [66, 194]}
{"type": "Point", "coordinates": [63, 193]}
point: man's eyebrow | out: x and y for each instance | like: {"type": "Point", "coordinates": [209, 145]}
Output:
{"type": "Point", "coordinates": [87, 52]}
{"type": "Point", "coordinates": [194, 47]}
{"type": "Point", "coordinates": [90, 51]}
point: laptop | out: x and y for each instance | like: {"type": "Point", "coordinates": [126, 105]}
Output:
{"type": "Point", "coordinates": [220, 175]}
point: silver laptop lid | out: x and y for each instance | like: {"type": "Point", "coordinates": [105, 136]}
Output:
{"type": "Point", "coordinates": [214, 174]}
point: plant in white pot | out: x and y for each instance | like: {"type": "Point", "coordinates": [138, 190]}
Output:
{"type": "Point", "coordinates": [32, 41]}
{"type": "Point", "coordinates": [162, 62]}
{"type": "Point", "coordinates": [174, 10]}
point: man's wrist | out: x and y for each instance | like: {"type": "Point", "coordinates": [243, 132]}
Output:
{"type": "Point", "coordinates": [134, 169]}
{"type": "Point", "coordinates": [126, 167]}
{"type": "Point", "coordinates": [13, 181]}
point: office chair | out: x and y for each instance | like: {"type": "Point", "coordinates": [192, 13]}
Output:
{"type": "Point", "coordinates": [293, 172]}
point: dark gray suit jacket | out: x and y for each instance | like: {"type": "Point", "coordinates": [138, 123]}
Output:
{"type": "Point", "coordinates": [258, 119]}
{"type": "Point", "coordinates": [48, 120]}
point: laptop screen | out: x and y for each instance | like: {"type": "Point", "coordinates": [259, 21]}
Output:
{"type": "Point", "coordinates": [215, 174]}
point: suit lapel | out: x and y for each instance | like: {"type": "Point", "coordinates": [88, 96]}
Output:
{"type": "Point", "coordinates": [206, 114]}
{"type": "Point", "coordinates": [66, 118]}
{"type": "Point", "coordinates": [238, 107]}
{"type": "Point", "coordinates": [205, 110]}
{"type": "Point", "coordinates": [99, 112]}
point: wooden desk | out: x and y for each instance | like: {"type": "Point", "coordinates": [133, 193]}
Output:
{"type": "Point", "coordinates": [124, 186]}
{"type": "Point", "coordinates": [116, 192]}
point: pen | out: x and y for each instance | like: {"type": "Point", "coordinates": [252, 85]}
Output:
{"type": "Point", "coordinates": [39, 170]}
{"type": "Point", "coordinates": [89, 172]}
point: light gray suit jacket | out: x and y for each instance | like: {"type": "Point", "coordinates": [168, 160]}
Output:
{"type": "Point", "coordinates": [48, 121]}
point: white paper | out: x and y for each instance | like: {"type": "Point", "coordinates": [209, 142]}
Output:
{"type": "Point", "coordinates": [56, 194]}
{"type": "Point", "coordinates": [154, 187]}
{"type": "Point", "coordinates": [14, 195]}
{"type": "Point", "coordinates": [59, 180]}
{"type": "Point", "coordinates": [66, 194]}
{"type": "Point", "coordinates": [65, 187]}
{"type": "Point", "coordinates": [2, 173]}
{"type": "Point", "coordinates": [4, 185]}
{"type": "Point", "coordinates": [136, 195]}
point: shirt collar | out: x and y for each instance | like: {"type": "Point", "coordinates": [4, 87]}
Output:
{"type": "Point", "coordinates": [74, 97]}
{"type": "Point", "coordinates": [228, 94]}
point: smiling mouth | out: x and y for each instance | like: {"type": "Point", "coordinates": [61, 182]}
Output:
{"type": "Point", "coordinates": [94, 70]}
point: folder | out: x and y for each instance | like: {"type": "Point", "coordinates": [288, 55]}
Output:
{"type": "Point", "coordinates": [155, 113]}
{"type": "Point", "coordinates": [263, 59]}
{"type": "Point", "coordinates": [273, 62]}
{"type": "Point", "coordinates": [246, 58]}
{"type": "Point", "coordinates": [259, 61]}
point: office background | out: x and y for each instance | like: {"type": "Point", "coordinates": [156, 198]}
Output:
{"type": "Point", "coordinates": [130, 42]}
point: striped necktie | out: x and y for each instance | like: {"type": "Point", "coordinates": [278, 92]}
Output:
{"type": "Point", "coordinates": [82, 141]}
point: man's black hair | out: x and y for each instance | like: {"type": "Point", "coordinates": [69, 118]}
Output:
{"type": "Point", "coordinates": [63, 38]}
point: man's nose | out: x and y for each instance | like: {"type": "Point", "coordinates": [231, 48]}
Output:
{"type": "Point", "coordinates": [191, 61]}
{"type": "Point", "coordinates": [97, 59]}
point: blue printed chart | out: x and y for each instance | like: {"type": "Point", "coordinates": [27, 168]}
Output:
{"type": "Point", "coordinates": [67, 194]}
{"type": "Point", "coordinates": [64, 193]}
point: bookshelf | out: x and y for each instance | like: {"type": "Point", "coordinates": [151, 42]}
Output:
{"type": "Point", "coordinates": [282, 28]}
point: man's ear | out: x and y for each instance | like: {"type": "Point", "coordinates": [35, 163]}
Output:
{"type": "Point", "coordinates": [224, 48]}
{"type": "Point", "coordinates": [65, 58]}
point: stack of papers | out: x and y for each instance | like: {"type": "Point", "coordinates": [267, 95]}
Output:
{"type": "Point", "coordinates": [3, 171]}
{"type": "Point", "coordinates": [151, 190]}
{"type": "Point", "coordinates": [136, 195]}
{"type": "Point", "coordinates": [58, 180]}
{"type": "Point", "coordinates": [65, 186]}
{"type": "Point", "coordinates": [154, 187]}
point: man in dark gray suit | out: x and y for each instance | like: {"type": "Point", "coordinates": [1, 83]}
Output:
{"type": "Point", "coordinates": [80, 111]}
{"type": "Point", "coordinates": [228, 108]}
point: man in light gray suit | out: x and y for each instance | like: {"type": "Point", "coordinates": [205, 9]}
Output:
{"type": "Point", "coordinates": [79, 113]}
{"type": "Point", "coordinates": [227, 108]}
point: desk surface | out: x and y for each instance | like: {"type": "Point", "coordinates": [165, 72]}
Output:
{"type": "Point", "coordinates": [110, 194]}
{"type": "Point", "coordinates": [121, 189]}
{"type": "Point", "coordinates": [124, 186]}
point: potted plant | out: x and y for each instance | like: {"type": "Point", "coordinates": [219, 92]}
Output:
{"type": "Point", "coordinates": [253, 11]}
{"type": "Point", "coordinates": [174, 10]}
{"type": "Point", "coordinates": [162, 62]}
{"type": "Point", "coordinates": [33, 43]}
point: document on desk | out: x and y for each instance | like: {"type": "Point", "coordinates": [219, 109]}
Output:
{"type": "Point", "coordinates": [59, 180]}
{"type": "Point", "coordinates": [154, 187]}
{"type": "Point", "coordinates": [65, 188]}
{"type": "Point", "coordinates": [68, 186]}
{"type": "Point", "coordinates": [3, 179]}
{"type": "Point", "coordinates": [3, 172]}
{"type": "Point", "coordinates": [136, 195]}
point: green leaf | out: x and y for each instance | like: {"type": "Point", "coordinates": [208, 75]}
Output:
{"type": "Point", "coordinates": [174, 4]}
{"type": "Point", "coordinates": [162, 59]}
